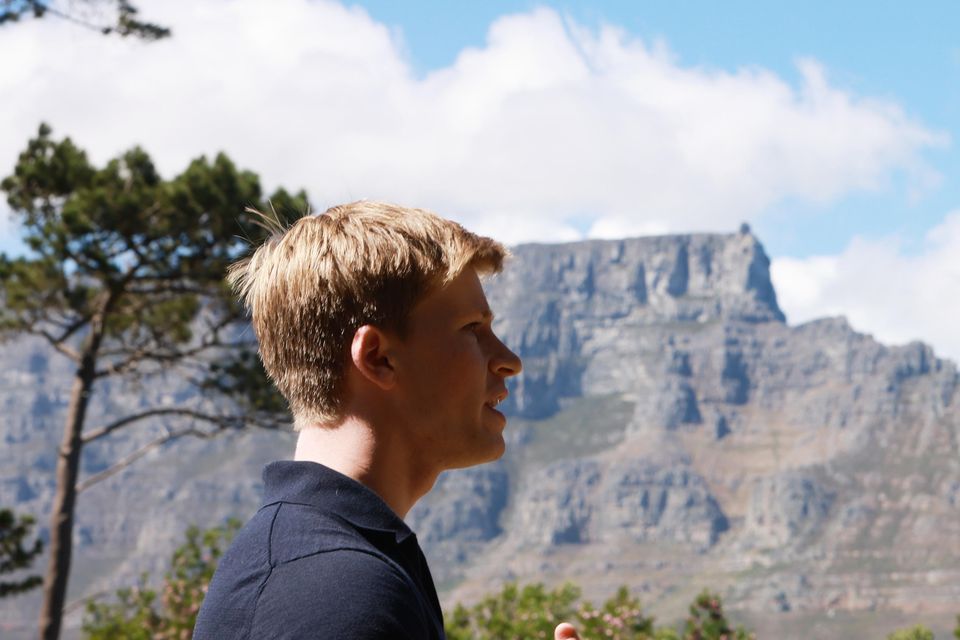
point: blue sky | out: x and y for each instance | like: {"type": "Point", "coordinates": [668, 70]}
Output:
{"type": "Point", "coordinates": [906, 52]}
{"type": "Point", "coordinates": [831, 127]}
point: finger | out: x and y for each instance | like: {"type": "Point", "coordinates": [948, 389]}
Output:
{"type": "Point", "coordinates": [565, 631]}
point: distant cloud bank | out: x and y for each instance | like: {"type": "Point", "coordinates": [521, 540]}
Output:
{"type": "Point", "coordinates": [551, 131]}
{"type": "Point", "coordinates": [883, 290]}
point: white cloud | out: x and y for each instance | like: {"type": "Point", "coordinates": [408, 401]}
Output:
{"type": "Point", "coordinates": [882, 290]}
{"type": "Point", "coordinates": [547, 123]}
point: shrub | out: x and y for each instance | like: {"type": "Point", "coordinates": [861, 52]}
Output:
{"type": "Point", "coordinates": [141, 613]}
{"type": "Point", "coordinates": [918, 632]}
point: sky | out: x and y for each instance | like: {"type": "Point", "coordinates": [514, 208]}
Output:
{"type": "Point", "coordinates": [831, 128]}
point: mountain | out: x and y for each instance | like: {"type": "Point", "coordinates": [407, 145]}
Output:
{"type": "Point", "coordinates": [670, 431]}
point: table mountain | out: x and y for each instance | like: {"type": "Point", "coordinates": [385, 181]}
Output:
{"type": "Point", "coordinates": [670, 431]}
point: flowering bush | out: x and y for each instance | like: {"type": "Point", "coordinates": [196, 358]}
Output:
{"type": "Point", "coordinates": [514, 613]}
{"type": "Point", "coordinates": [531, 611]}
{"type": "Point", "coordinates": [517, 612]}
{"type": "Point", "coordinates": [620, 618]}
{"type": "Point", "coordinates": [140, 613]}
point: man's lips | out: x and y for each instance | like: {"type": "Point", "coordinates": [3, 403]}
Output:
{"type": "Point", "coordinates": [497, 399]}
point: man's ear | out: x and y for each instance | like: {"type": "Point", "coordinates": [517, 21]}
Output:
{"type": "Point", "coordinates": [370, 353]}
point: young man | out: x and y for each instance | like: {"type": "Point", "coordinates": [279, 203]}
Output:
{"type": "Point", "coordinates": [373, 325]}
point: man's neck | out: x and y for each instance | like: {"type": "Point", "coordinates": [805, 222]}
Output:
{"type": "Point", "coordinates": [355, 449]}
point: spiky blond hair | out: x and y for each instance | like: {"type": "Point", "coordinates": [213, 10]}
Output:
{"type": "Point", "coordinates": [310, 286]}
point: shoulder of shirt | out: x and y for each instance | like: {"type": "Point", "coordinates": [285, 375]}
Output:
{"type": "Point", "coordinates": [317, 571]}
{"type": "Point", "coordinates": [357, 563]}
{"type": "Point", "coordinates": [342, 590]}
{"type": "Point", "coordinates": [298, 531]}
{"type": "Point", "coordinates": [319, 539]}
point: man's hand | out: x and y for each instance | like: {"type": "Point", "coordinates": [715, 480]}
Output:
{"type": "Point", "coordinates": [565, 631]}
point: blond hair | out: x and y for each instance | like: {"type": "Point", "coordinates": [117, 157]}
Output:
{"type": "Point", "coordinates": [309, 288]}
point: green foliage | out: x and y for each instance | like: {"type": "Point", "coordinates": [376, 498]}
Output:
{"type": "Point", "coordinates": [956, 632]}
{"type": "Point", "coordinates": [14, 556]}
{"type": "Point", "coordinates": [141, 613]}
{"type": "Point", "coordinates": [125, 277]}
{"type": "Point", "coordinates": [708, 622]}
{"type": "Point", "coordinates": [620, 618]}
{"type": "Point", "coordinates": [918, 632]}
{"type": "Point", "coordinates": [532, 611]}
{"type": "Point", "coordinates": [241, 376]}
{"type": "Point", "coordinates": [516, 613]}
{"type": "Point", "coordinates": [140, 258]}
{"type": "Point", "coordinates": [124, 16]}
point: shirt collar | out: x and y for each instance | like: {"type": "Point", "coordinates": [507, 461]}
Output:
{"type": "Point", "coordinates": [319, 486]}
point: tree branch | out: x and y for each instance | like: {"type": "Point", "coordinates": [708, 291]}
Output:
{"type": "Point", "coordinates": [46, 8]}
{"type": "Point", "coordinates": [222, 422]}
{"type": "Point", "coordinates": [144, 450]}
{"type": "Point", "coordinates": [71, 329]}
{"type": "Point", "coordinates": [70, 607]}
{"type": "Point", "coordinates": [147, 354]}
{"type": "Point", "coordinates": [179, 289]}
{"type": "Point", "coordinates": [131, 273]}
{"type": "Point", "coordinates": [175, 275]}
{"type": "Point", "coordinates": [56, 343]}
{"type": "Point", "coordinates": [151, 352]}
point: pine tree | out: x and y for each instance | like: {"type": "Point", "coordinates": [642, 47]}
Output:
{"type": "Point", "coordinates": [14, 556]}
{"type": "Point", "coordinates": [125, 278]}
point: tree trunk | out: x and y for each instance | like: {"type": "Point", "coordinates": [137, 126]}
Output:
{"type": "Point", "coordinates": [61, 517]}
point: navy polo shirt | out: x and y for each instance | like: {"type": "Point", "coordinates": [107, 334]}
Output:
{"type": "Point", "coordinates": [325, 557]}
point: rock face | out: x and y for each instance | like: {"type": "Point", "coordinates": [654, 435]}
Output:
{"type": "Point", "coordinates": [561, 305]}
{"type": "Point", "coordinates": [586, 501]}
{"type": "Point", "coordinates": [670, 432]}
{"type": "Point", "coordinates": [785, 508]}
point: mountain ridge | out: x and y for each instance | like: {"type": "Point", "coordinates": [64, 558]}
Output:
{"type": "Point", "coordinates": [670, 431]}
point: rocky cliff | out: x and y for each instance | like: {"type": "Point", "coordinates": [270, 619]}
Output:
{"type": "Point", "coordinates": [670, 431]}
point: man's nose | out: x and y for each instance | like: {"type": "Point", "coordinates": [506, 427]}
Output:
{"type": "Point", "coordinates": [505, 363]}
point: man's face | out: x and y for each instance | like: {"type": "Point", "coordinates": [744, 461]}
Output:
{"type": "Point", "coordinates": [452, 371]}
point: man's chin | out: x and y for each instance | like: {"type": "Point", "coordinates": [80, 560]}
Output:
{"type": "Point", "coordinates": [500, 450]}
{"type": "Point", "coordinates": [492, 451]}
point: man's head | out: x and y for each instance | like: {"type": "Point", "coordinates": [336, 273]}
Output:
{"type": "Point", "coordinates": [311, 287]}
